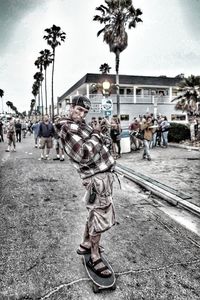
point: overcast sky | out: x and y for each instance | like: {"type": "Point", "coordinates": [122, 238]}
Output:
{"type": "Point", "coordinates": [166, 43]}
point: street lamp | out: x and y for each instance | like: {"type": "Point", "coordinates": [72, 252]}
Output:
{"type": "Point", "coordinates": [107, 104]}
{"type": "Point", "coordinates": [106, 87]}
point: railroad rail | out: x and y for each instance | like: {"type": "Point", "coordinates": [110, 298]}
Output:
{"type": "Point", "coordinates": [159, 189]}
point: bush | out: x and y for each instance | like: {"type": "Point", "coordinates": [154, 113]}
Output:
{"type": "Point", "coordinates": [178, 132]}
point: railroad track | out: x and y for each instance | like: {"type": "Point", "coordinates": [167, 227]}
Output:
{"type": "Point", "coordinates": [159, 189]}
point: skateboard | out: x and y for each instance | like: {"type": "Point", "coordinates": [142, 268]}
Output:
{"type": "Point", "coordinates": [100, 283]}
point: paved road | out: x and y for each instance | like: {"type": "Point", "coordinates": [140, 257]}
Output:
{"type": "Point", "coordinates": [42, 219]}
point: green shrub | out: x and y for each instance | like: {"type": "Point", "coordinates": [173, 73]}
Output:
{"type": "Point", "coordinates": [178, 132]}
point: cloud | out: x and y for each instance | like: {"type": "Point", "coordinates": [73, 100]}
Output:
{"type": "Point", "coordinates": [162, 44]}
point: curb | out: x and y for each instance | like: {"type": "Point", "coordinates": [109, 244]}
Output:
{"type": "Point", "coordinates": [184, 146]}
{"type": "Point", "coordinates": [158, 191]}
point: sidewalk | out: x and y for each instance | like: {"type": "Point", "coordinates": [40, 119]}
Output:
{"type": "Point", "coordinates": [42, 220]}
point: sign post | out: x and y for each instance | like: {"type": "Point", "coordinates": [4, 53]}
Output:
{"type": "Point", "coordinates": [107, 106]}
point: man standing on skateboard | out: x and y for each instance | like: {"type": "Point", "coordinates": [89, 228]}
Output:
{"type": "Point", "coordinates": [87, 148]}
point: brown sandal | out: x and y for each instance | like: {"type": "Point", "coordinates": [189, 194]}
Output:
{"type": "Point", "coordinates": [99, 271]}
{"type": "Point", "coordinates": [87, 250]}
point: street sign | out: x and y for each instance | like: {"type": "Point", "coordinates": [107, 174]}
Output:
{"type": "Point", "coordinates": [95, 108]}
{"type": "Point", "coordinates": [107, 113]}
{"type": "Point", "coordinates": [107, 104]}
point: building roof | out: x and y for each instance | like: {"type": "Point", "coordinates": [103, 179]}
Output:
{"type": "Point", "coordinates": [123, 79]}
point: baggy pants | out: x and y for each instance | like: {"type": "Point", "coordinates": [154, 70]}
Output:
{"type": "Point", "coordinates": [101, 213]}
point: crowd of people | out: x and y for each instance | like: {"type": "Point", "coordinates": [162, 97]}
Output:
{"type": "Point", "coordinates": [44, 134]}
{"type": "Point", "coordinates": [145, 131]}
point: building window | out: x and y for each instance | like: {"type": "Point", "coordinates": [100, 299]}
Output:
{"type": "Point", "coordinates": [138, 92]}
{"type": "Point", "coordinates": [129, 91]}
{"type": "Point", "coordinates": [67, 101]}
{"type": "Point", "coordinates": [174, 92]}
{"type": "Point", "coordinates": [124, 117]}
{"type": "Point", "coordinates": [121, 91]}
{"type": "Point", "coordinates": [147, 92]}
{"type": "Point", "coordinates": [178, 117]}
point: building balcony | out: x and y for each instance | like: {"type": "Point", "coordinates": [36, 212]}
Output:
{"type": "Point", "coordinates": [130, 99]}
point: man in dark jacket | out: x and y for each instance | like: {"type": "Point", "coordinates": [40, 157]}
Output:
{"type": "Point", "coordinates": [18, 130]}
{"type": "Point", "coordinates": [45, 133]}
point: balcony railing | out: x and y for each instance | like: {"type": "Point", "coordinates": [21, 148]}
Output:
{"type": "Point", "coordinates": [127, 99]}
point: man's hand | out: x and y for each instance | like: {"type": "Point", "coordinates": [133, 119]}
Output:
{"type": "Point", "coordinates": [96, 126]}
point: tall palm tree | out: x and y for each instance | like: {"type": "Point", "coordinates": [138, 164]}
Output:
{"type": "Point", "coordinates": [1, 95]}
{"type": "Point", "coordinates": [35, 91]}
{"type": "Point", "coordinates": [47, 59]}
{"type": "Point", "coordinates": [189, 98]}
{"type": "Point", "coordinates": [54, 38]}
{"type": "Point", "coordinates": [32, 106]}
{"type": "Point", "coordinates": [116, 16]}
{"type": "Point", "coordinates": [10, 105]}
{"type": "Point", "coordinates": [39, 78]}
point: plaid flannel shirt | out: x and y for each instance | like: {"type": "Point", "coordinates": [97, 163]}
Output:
{"type": "Point", "coordinates": [86, 148]}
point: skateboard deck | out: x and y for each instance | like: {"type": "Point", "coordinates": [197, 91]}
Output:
{"type": "Point", "coordinates": [100, 282]}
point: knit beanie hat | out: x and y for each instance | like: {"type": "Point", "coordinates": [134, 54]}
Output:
{"type": "Point", "coordinates": [81, 101]}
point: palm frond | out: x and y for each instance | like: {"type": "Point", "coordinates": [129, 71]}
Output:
{"type": "Point", "coordinates": [138, 12]}
{"type": "Point", "coordinates": [101, 9]}
{"type": "Point", "coordinates": [100, 31]}
{"type": "Point", "coordinates": [132, 24]}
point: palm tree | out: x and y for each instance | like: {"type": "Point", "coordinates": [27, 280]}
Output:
{"type": "Point", "coordinates": [32, 106]}
{"type": "Point", "coordinates": [54, 38]}
{"type": "Point", "coordinates": [35, 91]}
{"type": "Point", "coordinates": [189, 98]}
{"type": "Point", "coordinates": [12, 107]}
{"type": "Point", "coordinates": [39, 78]}
{"type": "Point", "coordinates": [104, 68]}
{"type": "Point", "coordinates": [47, 59]}
{"type": "Point", "coordinates": [9, 104]}
{"type": "Point", "coordinates": [116, 17]}
{"type": "Point", "coordinates": [1, 95]}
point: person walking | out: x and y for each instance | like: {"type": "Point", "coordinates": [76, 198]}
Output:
{"type": "Point", "coordinates": [24, 128]}
{"type": "Point", "coordinates": [18, 130]}
{"type": "Point", "coordinates": [115, 134]}
{"type": "Point", "coordinates": [46, 132]}
{"type": "Point", "coordinates": [11, 136]}
{"type": "Point", "coordinates": [58, 144]}
{"type": "Point", "coordinates": [164, 125]}
{"type": "Point", "coordinates": [146, 126]}
{"type": "Point", "coordinates": [35, 128]}
{"type": "Point", "coordinates": [134, 128]}
{"type": "Point", "coordinates": [86, 148]}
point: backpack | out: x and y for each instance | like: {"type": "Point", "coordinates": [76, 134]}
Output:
{"type": "Point", "coordinates": [140, 134]}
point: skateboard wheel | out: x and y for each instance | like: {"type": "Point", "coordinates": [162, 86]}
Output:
{"type": "Point", "coordinates": [82, 260]}
{"type": "Point", "coordinates": [114, 286]}
{"type": "Point", "coordinates": [95, 288]}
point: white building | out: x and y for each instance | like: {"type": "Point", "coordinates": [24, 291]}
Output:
{"type": "Point", "coordinates": [138, 95]}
